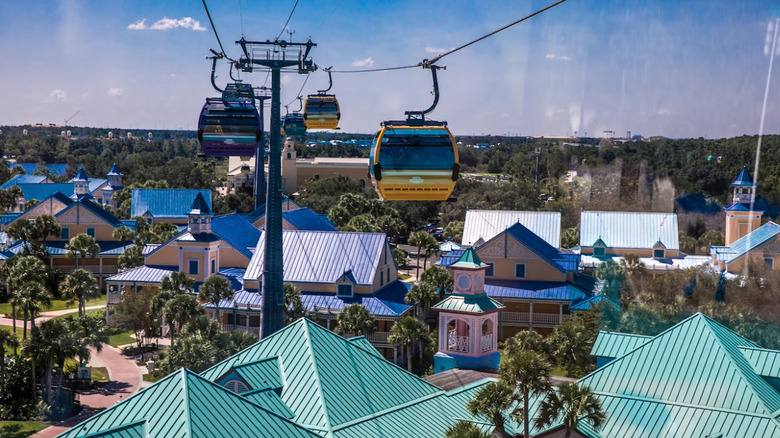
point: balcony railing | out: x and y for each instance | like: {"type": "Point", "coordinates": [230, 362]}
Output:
{"type": "Point", "coordinates": [538, 318]}
{"type": "Point", "coordinates": [241, 328]}
{"type": "Point", "coordinates": [378, 338]}
{"type": "Point", "coordinates": [487, 342]}
{"type": "Point", "coordinates": [459, 344]}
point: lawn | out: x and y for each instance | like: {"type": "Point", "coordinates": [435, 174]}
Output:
{"type": "Point", "coordinates": [117, 337]}
{"type": "Point", "coordinates": [19, 329]}
{"type": "Point", "coordinates": [151, 378]}
{"type": "Point", "coordinates": [5, 308]}
{"type": "Point", "coordinates": [20, 429]}
{"type": "Point", "coordinates": [404, 277]}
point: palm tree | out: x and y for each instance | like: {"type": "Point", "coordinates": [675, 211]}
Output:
{"type": "Point", "coordinates": [180, 309]}
{"type": "Point", "coordinates": [177, 282]}
{"type": "Point", "coordinates": [571, 345]}
{"type": "Point", "coordinates": [43, 347]}
{"type": "Point", "coordinates": [293, 306]}
{"type": "Point", "coordinates": [612, 274]}
{"type": "Point", "coordinates": [82, 245]}
{"type": "Point", "coordinates": [214, 290]}
{"type": "Point", "coordinates": [355, 320]}
{"type": "Point", "coordinates": [7, 339]}
{"type": "Point", "coordinates": [440, 278]}
{"type": "Point", "coordinates": [574, 403]}
{"type": "Point", "coordinates": [421, 240]}
{"type": "Point", "coordinates": [527, 372]}
{"type": "Point", "coordinates": [424, 295]}
{"type": "Point", "coordinates": [32, 297]}
{"type": "Point", "coordinates": [21, 229]}
{"type": "Point", "coordinates": [491, 401]}
{"type": "Point", "coordinates": [431, 249]}
{"type": "Point", "coordinates": [124, 235]}
{"type": "Point", "coordinates": [465, 429]}
{"type": "Point", "coordinates": [408, 332]}
{"type": "Point", "coordinates": [43, 227]}
{"type": "Point", "coordinates": [20, 271]}
{"type": "Point", "coordinates": [14, 193]}
{"type": "Point", "coordinates": [78, 286]}
{"type": "Point", "coordinates": [525, 340]}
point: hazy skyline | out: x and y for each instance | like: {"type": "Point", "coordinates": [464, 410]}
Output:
{"type": "Point", "coordinates": [677, 69]}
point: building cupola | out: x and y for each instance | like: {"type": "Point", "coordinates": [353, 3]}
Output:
{"type": "Point", "coordinates": [199, 216]}
{"type": "Point", "coordinates": [80, 184]}
{"type": "Point", "coordinates": [741, 216]}
{"type": "Point", "coordinates": [114, 177]}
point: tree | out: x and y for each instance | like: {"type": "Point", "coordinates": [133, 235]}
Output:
{"type": "Point", "coordinates": [574, 403]}
{"type": "Point", "coordinates": [424, 295]}
{"type": "Point", "coordinates": [180, 309]}
{"type": "Point", "coordinates": [21, 229]}
{"type": "Point", "coordinates": [570, 344]}
{"type": "Point", "coordinates": [355, 320]}
{"type": "Point", "coordinates": [7, 339]}
{"type": "Point", "coordinates": [135, 313]}
{"type": "Point", "coordinates": [293, 306]}
{"type": "Point", "coordinates": [612, 274]}
{"type": "Point", "coordinates": [454, 231]}
{"type": "Point", "coordinates": [178, 282]}
{"type": "Point", "coordinates": [82, 245]}
{"type": "Point", "coordinates": [44, 347]}
{"type": "Point", "coordinates": [400, 257]}
{"type": "Point", "coordinates": [43, 227]}
{"type": "Point", "coordinates": [407, 332]}
{"type": "Point", "coordinates": [527, 371]}
{"type": "Point", "coordinates": [22, 270]}
{"type": "Point", "coordinates": [439, 278]}
{"type": "Point", "coordinates": [431, 249]}
{"type": "Point", "coordinates": [525, 340]}
{"type": "Point", "coordinates": [421, 240]}
{"type": "Point", "coordinates": [491, 401]}
{"type": "Point", "coordinates": [124, 235]}
{"type": "Point", "coordinates": [465, 429]}
{"type": "Point", "coordinates": [570, 237]}
{"type": "Point", "coordinates": [131, 257]}
{"type": "Point", "coordinates": [32, 297]}
{"type": "Point", "coordinates": [192, 352]}
{"type": "Point", "coordinates": [78, 286]}
{"type": "Point", "coordinates": [214, 290]}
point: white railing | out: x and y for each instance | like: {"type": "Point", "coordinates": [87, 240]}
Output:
{"type": "Point", "coordinates": [378, 338]}
{"type": "Point", "coordinates": [519, 317]}
{"type": "Point", "coordinates": [458, 343]}
{"type": "Point", "coordinates": [487, 342]}
{"type": "Point", "coordinates": [241, 328]}
{"type": "Point", "coordinates": [535, 319]}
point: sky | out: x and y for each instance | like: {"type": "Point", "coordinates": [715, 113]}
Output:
{"type": "Point", "coordinates": [672, 68]}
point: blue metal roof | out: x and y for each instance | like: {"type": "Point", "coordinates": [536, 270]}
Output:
{"type": "Point", "coordinates": [81, 175]}
{"type": "Point", "coordinates": [166, 203]}
{"type": "Point", "coordinates": [43, 191]}
{"type": "Point", "coordinates": [114, 171]}
{"type": "Point", "coordinates": [22, 179]}
{"type": "Point", "coordinates": [324, 256]}
{"type": "Point", "coordinates": [751, 241]}
{"type": "Point", "coordinates": [635, 230]}
{"type": "Point", "coordinates": [57, 247]}
{"type": "Point", "coordinates": [237, 232]}
{"type": "Point", "coordinates": [257, 213]}
{"type": "Point", "coordinates": [9, 217]}
{"type": "Point", "coordinates": [736, 206]}
{"type": "Point", "coordinates": [536, 290]}
{"type": "Point", "coordinates": [743, 179]}
{"type": "Point", "coordinates": [199, 206]}
{"type": "Point", "coordinates": [143, 274]}
{"type": "Point", "coordinates": [30, 168]}
{"type": "Point", "coordinates": [305, 219]}
{"type": "Point", "coordinates": [448, 246]}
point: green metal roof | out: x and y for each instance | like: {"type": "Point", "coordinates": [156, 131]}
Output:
{"type": "Point", "coordinates": [186, 405]}
{"type": "Point", "coordinates": [363, 343]}
{"type": "Point", "coordinates": [692, 380]}
{"type": "Point", "coordinates": [330, 381]}
{"type": "Point", "coordinates": [469, 259]}
{"type": "Point", "coordinates": [609, 344]}
{"type": "Point", "coordinates": [135, 429]}
{"type": "Point", "coordinates": [270, 400]}
{"type": "Point", "coordinates": [765, 362]}
{"type": "Point", "coordinates": [262, 374]}
{"type": "Point", "coordinates": [468, 303]}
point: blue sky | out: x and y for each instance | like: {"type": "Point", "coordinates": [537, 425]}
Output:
{"type": "Point", "coordinates": [678, 69]}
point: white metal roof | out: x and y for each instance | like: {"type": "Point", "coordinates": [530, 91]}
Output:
{"type": "Point", "coordinates": [483, 225]}
{"type": "Point", "coordinates": [636, 230]}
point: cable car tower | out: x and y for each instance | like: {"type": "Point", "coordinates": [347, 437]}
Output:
{"type": "Point", "coordinates": [275, 55]}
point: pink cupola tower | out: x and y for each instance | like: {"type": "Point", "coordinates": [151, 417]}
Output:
{"type": "Point", "coordinates": [468, 319]}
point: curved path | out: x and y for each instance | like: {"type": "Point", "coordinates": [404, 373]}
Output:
{"type": "Point", "coordinates": [44, 316]}
{"type": "Point", "coordinates": [125, 380]}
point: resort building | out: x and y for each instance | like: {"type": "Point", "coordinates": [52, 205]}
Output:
{"type": "Point", "coordinates": [166, 205]}
{"type": "Point", "coordinates": [38, 188]}
{"type": "Point", "coordinates": [535, 282]}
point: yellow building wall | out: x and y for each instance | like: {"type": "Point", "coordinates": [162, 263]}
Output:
{"type": "Point", "coordinates": [77, 220]}
{"type": "Point", "coordinates": [230, 258]}
{"type": "Point", "coordinates": [165, 256]}
{"type": "Point", "coordinates": [739, 224]}
{"type": "Point", "coordinates": [515, 252]}
{"type": "Point", "coordinates": [769, 250]}
{"type": "Point", "coordinates": [381, 277]}
{"type": "Point", "coordinates": [50, 207]}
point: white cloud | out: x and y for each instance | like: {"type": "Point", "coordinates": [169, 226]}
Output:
{"type": "Point", "coordinates": [430, 49]}
{"type": "Point", "coordinates": [555, 57]}
{"type": "Point", "coordinates": [368, 62]}
{"type": "Point", "coordinates": [664, 112]}
{"type": "Point", "coordinates": [138, 25]}
{"type": "Point", "coordinates": [58, 95]}
{"type": "Point", "coordinates": [115, 92]}
{"type": "Point", "coordinates": [168, 23]}
{"type": "Point", "coordinates": [173, 75]}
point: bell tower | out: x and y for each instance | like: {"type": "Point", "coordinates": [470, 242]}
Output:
{"type": "Point", "coordinates": [289, 167]}
{"type": "Point", "coordinates": [468, 319]}
{"type": "Point", "coordinates": [741, 217]}
{"type": "Point", "coordinates": [199, 216]}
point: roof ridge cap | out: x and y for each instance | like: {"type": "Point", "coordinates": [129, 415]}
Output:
{"type": "Point", "coordinates": [316, 372]}
{"type": "Point", "coordinates": [185, 394]}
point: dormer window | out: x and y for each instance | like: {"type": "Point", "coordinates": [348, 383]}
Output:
{"type": "Point", "coordinates": [599, 248]}
{"type": "Point", "coordinates": [659, 253]}
{"type": "Point", "coordinates": [344, 290]}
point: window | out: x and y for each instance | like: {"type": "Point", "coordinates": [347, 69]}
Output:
{"type": "Point", "coordinates": [520, 270]}
{"type": "Point", "coordinates": [289, 156]}
{"type": "Point", "coordinates": [345, 290]}
{"type": "Point", "coordinates": [65, 233]}
{"type": "Point", "coordinates": [236, 386]}
{"type": "Point", "coordinates": [193, 267]}
{"type": "Point", "coordinates": [659, 253]}
{"type": "Point", "coordinates": [489, 271]}
{"type": "Point", "coordinates": [91, 231]}
{"type": "Point", "coordinates": [770, 262]}
{"type": "Point", "coordinates": [388, 273]}
{"type": "Point", "coordinates": [213, 266]}
{"type": "Point", "coordinates": [21, 206]}
{"type": "Point", "coordinates": [381, 278]}
{"type": "Point", "coordinates": [599, 251]}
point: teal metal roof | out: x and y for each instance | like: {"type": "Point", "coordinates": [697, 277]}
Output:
{"type": "Point", "coordinates": [270, 400]}
{"type": "Point", "coordinates": [765, 362]}
{"type": "Point", "coordinates": [186, 405]}
{"type": "Point", "coordinates": [329, 381]}
{"type": "Point", "coordinates": [614, 345]}
{"type": "Point", "coordinates": [469, 259]}
{"type": "Point", "coordinates": [693, 380]}
{"type": "Point", "coordinates": [363, 343]}
{"type": "Point", "coordinates": [592, 301]}
{"type": "Point", "coordinates": [136, 429]}
{"type": "Point", "coordinates": [114, 170]}
{"type": "Point", "coordinates": [468, 303]}
{"type": "Point", "coordinates": [262, 374]}
{"type": "Point", "coordinates": [43, 191]}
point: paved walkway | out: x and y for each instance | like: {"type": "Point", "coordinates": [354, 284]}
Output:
{"type": "Point", "coordinates": [44, 316]}
{"type": "Point", "coordinates": [125, 380]}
